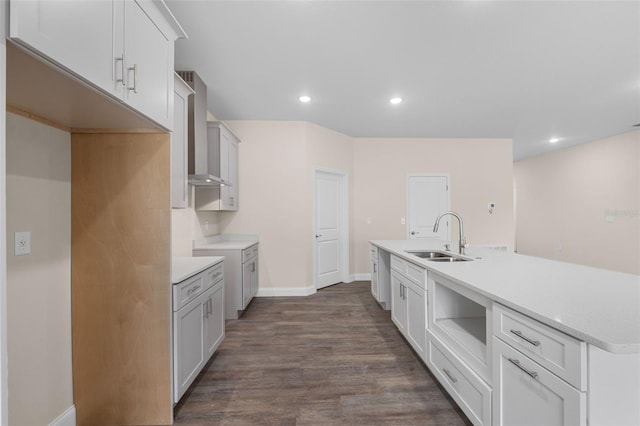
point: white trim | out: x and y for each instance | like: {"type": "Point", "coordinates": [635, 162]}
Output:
{"type": "Point", "coordinates": [286, 291]}
{"type": "Point", "coordinates": [361, 277]}
{"type": "Point", "coordinates": [344, 222]}
{"type": "Point", "coordinates": [408, 190]}
{"type": "Point", "coordinates": [4, 394]}
{"type": "Point", "coordinates": [68, 418]}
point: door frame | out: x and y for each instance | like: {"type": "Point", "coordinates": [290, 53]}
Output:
{"type": "Point", "coordinates": [412, 175]}
{"type": "Point", "coordinates": [343, 217]}
{"type": "Point", "coordinates": [4, 388]}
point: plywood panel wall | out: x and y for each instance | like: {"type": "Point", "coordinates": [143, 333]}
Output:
{"type": "Point", "coordinates": [120, 278]}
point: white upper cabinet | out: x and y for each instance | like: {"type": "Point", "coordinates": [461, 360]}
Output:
{"type": "Point", "coordinates": [123, 48]}
{"type": "Point", "coordinates": [179, 185]}
{"type": "Point", "coordinates": [76, 35]}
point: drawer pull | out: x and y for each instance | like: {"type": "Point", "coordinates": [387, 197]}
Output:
{"type": "Point", "coordinates": [217, 274]}
{"type": "Point", "coordinates": [516, 362]}
{"type": "Point", "coordinates": [375, 268]}
{"type": "Point", "coordinates": [525, 338]}
{"type": "Point", "coordinates": [449, 375]}
{"type": "Point", "coordinates": [192, 290]}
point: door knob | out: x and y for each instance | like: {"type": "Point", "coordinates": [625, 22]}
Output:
{"type": "Point", "coordinates": [318, 235]}
{"type": "Point", "coordinates": [413, 232]}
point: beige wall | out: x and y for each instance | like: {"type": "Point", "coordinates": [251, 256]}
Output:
{"type": "Point", "coordinates": [582, 204]}
{"type": "Point", "coordinates": [480, 172]}
{"type": "Point", "coordinates": [274, 199]}
{"type": "Point", "coordinates": [277, 162]}
{"type": "Point", "coordinates": [39, 284]}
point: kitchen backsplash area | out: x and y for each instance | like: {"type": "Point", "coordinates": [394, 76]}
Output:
{"type": "Point", "coordinates": [188, 224]}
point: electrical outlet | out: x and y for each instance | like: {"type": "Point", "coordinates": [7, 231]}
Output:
{"type": "Point", "coordinates": [369, 220]}
{"type": "Point", "coordinates": [402, 221]}
{"type": "Point", "coordinates": [22, 243]}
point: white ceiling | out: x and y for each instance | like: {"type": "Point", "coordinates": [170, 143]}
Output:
{"type": "Point", "coordinates": [526, 70]}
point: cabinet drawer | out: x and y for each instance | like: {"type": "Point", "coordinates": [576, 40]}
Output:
{"type": "Point", "coordinates": [559, 353]}
{"type": "Point", "coordinates": [374, 252]}
{"type": "Point", "coordinates": [249, 253]}
{"type": "Point", "coordinates": [410, 271]}
{"type": "Point", "coordinates": [214, 275]}
{"type": "Point", "coordinates": [187, 290]}
{"type": "Point", "coordinates": [471, 393]}
{"type": "Point", "coordinates": [526, 393]}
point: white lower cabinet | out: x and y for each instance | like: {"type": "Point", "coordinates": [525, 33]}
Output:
{"type": "Point", "coordinates": [398, 303]}
{"type": "Point", "coordinates": [409, 303]}
{"type": "Point", "coordinates": [528, 394]}
{"type": "Point", "coordinates": [198, 325]}
{"type": "Point", "coordinates": [471, 393]}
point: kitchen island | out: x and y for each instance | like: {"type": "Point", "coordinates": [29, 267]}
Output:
{"type": "Point", "coordinates": [504, 331]}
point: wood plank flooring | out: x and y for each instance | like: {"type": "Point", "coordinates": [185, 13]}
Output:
{"type": "Point", "coordinates": [331, 358]}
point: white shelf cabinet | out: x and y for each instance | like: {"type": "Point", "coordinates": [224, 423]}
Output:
{"type": "Point", "coordinates": [179, 145]}
{"type": "Point", "coordinates": [123, 48]}
{"type": "Point", "coordinates": [223, 162]}
{"type": "Point", "coordinates": [462, 320]}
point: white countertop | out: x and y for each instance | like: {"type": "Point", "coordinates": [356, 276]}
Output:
{"type": "Point", "coordinates": [594, 305]}
{"type": "Point", "coordinates": [225, 242]}
{"type": "Point", "coordinates": [185, 267]}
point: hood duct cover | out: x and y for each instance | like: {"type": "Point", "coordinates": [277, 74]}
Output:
{"type": "Point", "coordinates": [198, 146]}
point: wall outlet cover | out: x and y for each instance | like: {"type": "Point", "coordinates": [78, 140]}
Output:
{"type": "Point", "coordinates": [22, 243]}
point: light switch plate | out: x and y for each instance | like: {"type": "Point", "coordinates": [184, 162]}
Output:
{"type": "Point", "coordinates": [22, 243]}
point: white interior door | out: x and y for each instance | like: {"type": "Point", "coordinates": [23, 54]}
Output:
{"type": "Point", "coordinates": [428, 198]}
{"type": "Point", "coordinates": [328, 228]}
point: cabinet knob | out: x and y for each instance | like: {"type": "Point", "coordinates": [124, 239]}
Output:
{"type": "Point", "coordinates": [413, 232]}
{"type": "Point", "coordinates": [318, 235]}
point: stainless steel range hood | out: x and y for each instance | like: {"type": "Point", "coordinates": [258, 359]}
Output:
{"type": "Point", "coordinates": [199, 169]}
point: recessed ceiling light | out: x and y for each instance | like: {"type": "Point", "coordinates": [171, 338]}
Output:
{"type": "Point", "coordinates": [304, 99]}
{"type": "Point", "coordinates": [395, 101]}
{"type": "Point", "coordinates": [554, 140]}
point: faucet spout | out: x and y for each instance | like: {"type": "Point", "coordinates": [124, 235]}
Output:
{"type": "Point", "coordinates": [462, 242]}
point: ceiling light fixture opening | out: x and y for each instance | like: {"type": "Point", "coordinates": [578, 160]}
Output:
{"type": "Point", "coordinates": [395, 101]}
{"type": "Point", "coordinates": [304, 99]}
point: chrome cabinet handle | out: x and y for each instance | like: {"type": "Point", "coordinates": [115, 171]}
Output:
{"type": "Point", "coordinates": [525, 338]}
{"type": "Point", "coordinates": [449, 375]}
{"type": "Point", "coordinates": [135, 78]}
{"type": "Point", "coordinates": [121, 60]}
{"type": "Point", "coordinates": [253, 267]}
{"type": "Point", "coordinates": [375, 269]}
{"type": "Point", "coordinates": [192, 290]}
{"type": "Point", "coordinates": [516, 362]}
{"type": "Point", "coordinates": [210, 306]}
{"type": "Point", "coordinates": [401, 294]}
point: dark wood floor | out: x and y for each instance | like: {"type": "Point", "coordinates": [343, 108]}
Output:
{"type": "Point", "coordinates": [331, 358]}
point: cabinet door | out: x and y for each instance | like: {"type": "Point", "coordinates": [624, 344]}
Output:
{"type": "Point", "coordinates": [416, 318]}
{"type": "Point", "coordinates": [230, 193]}
{"type": "Point", "coordinates": [148, 54]}
{"type": "Point", "coordinates": [179, 184]}
{"type": "Point", "coordinates": [77, 35]}
{"type": "Point", "coordinates": [255, 278]}
{"type": "Point", "coordinates": [374, 279]}
{"type": "Point", "coordinates": [527, 394]}
{"type": "Point", "coordinates": [214, 321]}
{"type": "Point", "coordinates": [398, 302]}
{"type": "Point", "coordinates": [247, 269]}
{"type": "Point", "coordinates": [188, 333]}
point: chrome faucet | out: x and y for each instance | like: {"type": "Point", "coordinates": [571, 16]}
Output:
{"type": "Point", "coordinates": [462, 243]}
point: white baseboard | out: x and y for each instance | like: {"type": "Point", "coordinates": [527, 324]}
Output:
{"type": "Point", "coordinates": [360, 277]}
{"type": "Point", "coordinates": [68, 418]}
{"type": "Point", "coordinates": [285, 291]}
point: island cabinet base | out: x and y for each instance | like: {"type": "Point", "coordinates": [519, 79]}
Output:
{"type": "Point", "coordinates": [614, 388]}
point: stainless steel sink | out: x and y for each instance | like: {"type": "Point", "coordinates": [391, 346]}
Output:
{"type": "Point", "coordinates": [430, 254]}
{"type": "Point", "coordinates": [450, 259]}
{"type": "Point", "coordinates": [437, 256]}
